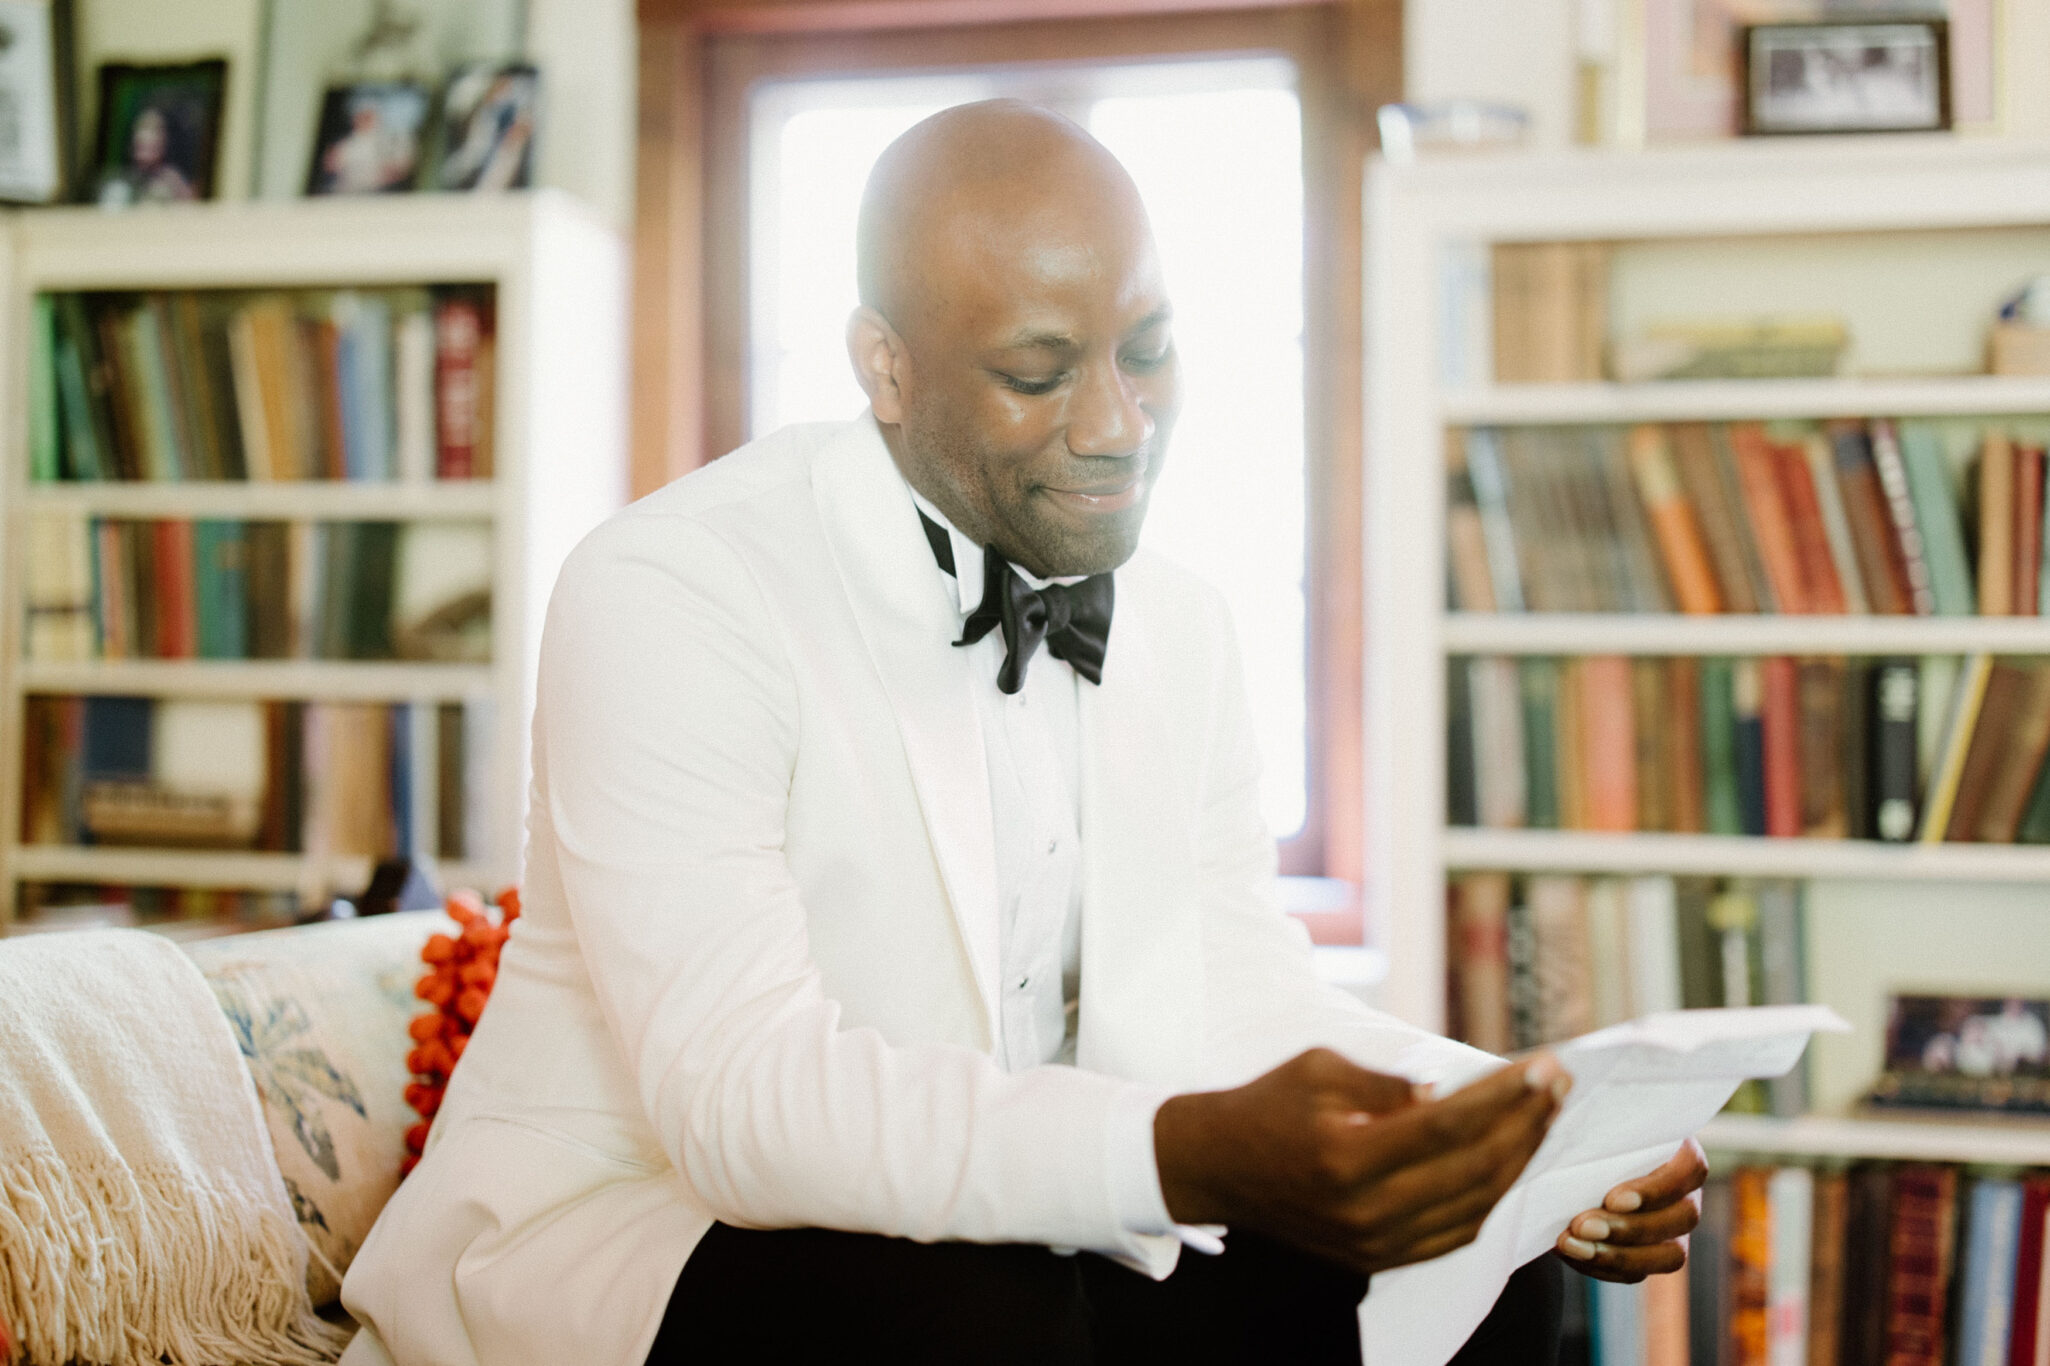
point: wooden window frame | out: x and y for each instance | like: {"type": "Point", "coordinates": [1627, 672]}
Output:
{"type": "Point", "coordinates": [698, 61]}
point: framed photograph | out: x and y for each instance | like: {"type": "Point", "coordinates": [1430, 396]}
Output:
{"type": "Point", "coordinates": [1967, 1053]}
{"type": "Point", "coordinates": [369, 138]}
{"type": "Point", "coordinates": [488, 116]}
{"type": "Point", "coordinates": [1847, 77]}
{"type": "Point", "coordinates": [31, 103]}
{"type": "Point", "coordinates": [309, 46]}
{"type": "Point", "coordinates": [160, 130]}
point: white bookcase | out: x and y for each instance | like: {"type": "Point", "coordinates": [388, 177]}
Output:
{"type": "Point", "coordinates": [559, 466]}
{"type": "Point", "coordinates": [1877, 195]}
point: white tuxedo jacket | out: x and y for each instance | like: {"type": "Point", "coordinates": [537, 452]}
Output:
{"type": "Point", "coordinates": [756, 978]}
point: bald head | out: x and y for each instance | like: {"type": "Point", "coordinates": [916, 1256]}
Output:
{"type": "Point", "coordinates": [973, 178]}
{"type": "Point", "coordinates": [1013, 333]}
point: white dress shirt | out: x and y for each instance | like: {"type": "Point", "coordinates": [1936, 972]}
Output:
{"type": "Point", "coordinates": [1031, 740]}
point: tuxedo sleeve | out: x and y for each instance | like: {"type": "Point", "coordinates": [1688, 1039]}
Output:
{"type": "Point", "coordinates": [667, 727]}
{"type": "Point", "coordinates": [1264, 1001]}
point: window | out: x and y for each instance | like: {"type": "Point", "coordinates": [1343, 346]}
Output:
{"type": "Point", "coordinates": [1215, 145]}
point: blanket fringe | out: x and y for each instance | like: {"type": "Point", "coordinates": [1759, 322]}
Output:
{"type": "Point", "coordinates": [83, 1256]}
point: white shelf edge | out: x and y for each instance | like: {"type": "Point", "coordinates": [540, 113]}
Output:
{"type": "Point", "coordinates": [212, 868]}
{"type": "Point", "coordinates": [281, 499]}
{"type": "Point", "coordinates": [2010, 1142]}
{"type": "Point", "coordinates": [284, 678]}
{"type": "Point", "coordinates": [1571, 633]}
{"type": "Point", "coordinates": [1576, 851]}
{"type": "Point", "coordinates": [1705, 400]}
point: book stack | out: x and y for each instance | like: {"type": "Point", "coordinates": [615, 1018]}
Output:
{"type": "Point", "coordinates": [1546, 957]}
{"type": "Point", "coordinates": [228, 385]}
{"type": "Point", "coordinates": [1940, 748]}
{"type": "Point", "coordinates": [102, 588]}
{"type": "Point", "coordinates": [318, 778]}
{"type": "Point", "coordinates": [1550, 310]}
{"type": "Point", "coordinates": [1842, 517]}
{"type": "Point", "coordinates": [1905, 1264]}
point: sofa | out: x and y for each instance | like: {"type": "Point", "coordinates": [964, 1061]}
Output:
{"type": "Point", "coordinates": [320, 1014]}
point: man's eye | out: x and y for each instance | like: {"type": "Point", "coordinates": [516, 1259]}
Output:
{"type": "Point", "coordinates": [1149, 362]}
{"type": "Point", "coordinates": [1030, 387]}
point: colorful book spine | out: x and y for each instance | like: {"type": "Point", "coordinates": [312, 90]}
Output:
{"type": "Point", "coordinates": [1895, 709]}
{"type": "Point", "coordinates": [1986, 1289]}
{"type": "Point", "coordinates": [1790, 1194]}
{"type": "Point", "coordinates": [1609, 733]}
{"type": "Point", "coordinates": [1922, 1246]}
{"type": "Point", "coordinates": [1679, 537]}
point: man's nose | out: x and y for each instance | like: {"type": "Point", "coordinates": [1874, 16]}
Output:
{"type": "Point", "coordinates": [1108, 418]}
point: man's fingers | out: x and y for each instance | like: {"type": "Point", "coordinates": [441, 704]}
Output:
{"type": "Point", "coordinates": [1374, 1093]}
{"type": "Point", "coordinates": [1607, 1262]}
{"type": "Point", "coordinates": [1470, 1177]}
{"type": "Point", "coordinates": [1645, 1229]}
{"type": "Point", "coordinates": [1681, 1174]}
{"type": "Point", "coordinates": [1461, 1118]}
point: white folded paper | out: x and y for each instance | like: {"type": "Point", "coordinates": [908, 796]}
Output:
{"type": "Point", "coordinates": [1639, 1090]}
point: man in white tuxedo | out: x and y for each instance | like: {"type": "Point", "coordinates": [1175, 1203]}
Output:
{"type": "Point", "coordinates": [895, 926]}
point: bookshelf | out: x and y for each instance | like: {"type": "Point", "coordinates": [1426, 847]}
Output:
{"type": "Point", "coordinates": [557, 277]}
{"type": "Point", "coordinates": [1920, 198]}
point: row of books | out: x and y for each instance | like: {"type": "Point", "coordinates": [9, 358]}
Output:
{"type": "Point", "coordinates": [1940, 748]}
{"type": "Point", "coordinates": [313, 384]}
{"type": "Point", "coordinates": [289, 777]}
{"type": "Point", "coordinates": [1905, 1264]}
{"type": "Point", "coordinates": [1846, 517]}
{"type": "Point", "coordinates": [1548, 957]}
{"type": "Point", "coordinates": [50, 906]}
{"type": "Point", "coordinates": [102, 588]}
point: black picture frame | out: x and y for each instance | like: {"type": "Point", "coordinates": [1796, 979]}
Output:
{"type": "Point", "coordinates": [159, 136]}
{"type": "Point", "coordinates": [371, 138]}
{"type": "Point", "coordinates": [1846, 76]}
{"type": "Point", "coordinates": [488, 122]}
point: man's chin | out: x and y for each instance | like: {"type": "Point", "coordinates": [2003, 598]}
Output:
{"type": "Point", "coordinates": [1071, 545]}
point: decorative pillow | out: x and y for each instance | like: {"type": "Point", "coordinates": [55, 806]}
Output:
{"type": "Point", "coordinates": [320, 1013]}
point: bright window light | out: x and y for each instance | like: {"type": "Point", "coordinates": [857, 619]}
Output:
{"type": "Point", "coordinates": [1215, 147]}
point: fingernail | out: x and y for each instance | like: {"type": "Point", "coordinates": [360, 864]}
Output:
{"type": "Point", "coordinates": [1574, 1247]}
{"type": "Point", "coordinates": [1596, 1229]}
{"type": "Point", "coordinates": [1423, 1091]}
{"type": "Point", "coordinates": [1356, 1117]}
{"type": "Point", "coordinates": [1624, 1201]}
{"type": "Point", "coordinates": [1540, 1074]}
{"type": "Point", "coordinates": [1561, 1087]}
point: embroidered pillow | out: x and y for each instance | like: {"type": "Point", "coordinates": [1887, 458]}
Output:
{"type": "Point", "coordinates": [320, 1014]}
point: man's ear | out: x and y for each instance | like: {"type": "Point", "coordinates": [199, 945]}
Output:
{"type": "Point", "coordinates": [880, 362]}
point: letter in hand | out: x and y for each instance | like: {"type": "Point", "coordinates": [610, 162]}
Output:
{"type": "Point", "coordinates": [1354, 1166]}
{"type": "Point", "coordinates": [1640, 1228]}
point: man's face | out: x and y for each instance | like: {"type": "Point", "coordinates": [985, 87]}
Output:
{"type": "Point", "coordinates": [1043, 384]}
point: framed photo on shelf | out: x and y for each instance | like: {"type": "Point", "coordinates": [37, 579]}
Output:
{"type": "Point", "coordinates": [1694, 67]}
{"type": "Point", "coordinates": [160, 131]}
{"type": "Point", "coordinates": [33, 103]}
{"type": "Point", "coordinates": [369, 138]}
{"type": "Point", "coordinates": [1966, 1053]}
{"type": "Point", "coordinates": [488, 116]}
{"type": "Point", "coordinates": [1850, 77]}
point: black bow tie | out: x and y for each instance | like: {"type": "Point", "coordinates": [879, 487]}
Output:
{"type": "Point", "coordinates": [1073, 619]}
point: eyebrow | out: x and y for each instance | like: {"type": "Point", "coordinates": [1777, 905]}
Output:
{"type": "Point", "coordinates": [1062, 341]}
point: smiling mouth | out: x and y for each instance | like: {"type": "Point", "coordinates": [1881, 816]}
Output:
{"type": "Point", "coordinates": [1103, 497]}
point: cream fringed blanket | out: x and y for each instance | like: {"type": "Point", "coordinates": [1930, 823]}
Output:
{"type": "Point", "coordinates": [142, 1217]}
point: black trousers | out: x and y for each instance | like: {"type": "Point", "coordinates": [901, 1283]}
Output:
{"type": "Point", "coordinates": [814, 1295]}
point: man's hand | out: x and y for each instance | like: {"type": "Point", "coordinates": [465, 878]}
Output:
{"type": "Point", "coordinates": [1352, 1165]}
{"type": "Point", "coordinates": [1637, 1231]}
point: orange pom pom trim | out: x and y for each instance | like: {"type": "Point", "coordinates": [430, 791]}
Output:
{"type": "Point", "coordinates": [462, 970]}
